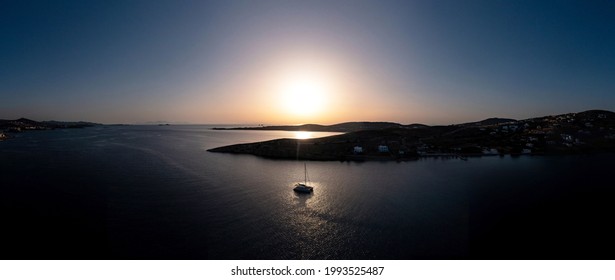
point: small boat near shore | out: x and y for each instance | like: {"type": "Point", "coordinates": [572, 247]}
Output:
{"type": "Point", "coordinates": [303, 187]}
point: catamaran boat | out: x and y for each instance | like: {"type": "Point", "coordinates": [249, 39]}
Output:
{"type": "Point", "coordinates": [303, 187]}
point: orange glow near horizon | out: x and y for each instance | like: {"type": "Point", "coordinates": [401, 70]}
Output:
{"type": "Point", "coordinates": [299, 88]}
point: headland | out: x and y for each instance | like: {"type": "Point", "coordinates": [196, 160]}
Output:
{"type": "Point", "coordinates": [584, 132]}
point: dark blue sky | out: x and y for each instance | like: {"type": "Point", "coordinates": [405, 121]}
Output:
{"type": "Point", "coordinates": [217, 62]}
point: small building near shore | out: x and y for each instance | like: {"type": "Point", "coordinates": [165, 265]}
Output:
{"type": "Point", "coordinates": [383, 149]}
{"type": "Point", "coordinates": [358, 150]}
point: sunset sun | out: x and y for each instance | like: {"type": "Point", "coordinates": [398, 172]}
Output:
{"type": "Point", "coordinates": [303, 95]}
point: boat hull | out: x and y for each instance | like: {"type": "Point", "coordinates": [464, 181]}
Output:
{"type": "Point", "coordinates": [301, 188]}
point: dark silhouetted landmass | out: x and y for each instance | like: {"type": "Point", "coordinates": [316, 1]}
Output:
{"type": "Point", "coordinates": [23, 124]}
{"type": "Point", "coordinates": [341, 127]}
{"type": "Point", "coordinates": [489, 121]}
{"type": "Point", "coordinates": [585, 132]}
{"type": "Point", "coordinates": [354, 126]}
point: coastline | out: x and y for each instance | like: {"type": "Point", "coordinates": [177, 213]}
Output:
{"type": "Point", "coordinates": [313, 150]}
{"type": "Point", "coordinates": [574, 133]}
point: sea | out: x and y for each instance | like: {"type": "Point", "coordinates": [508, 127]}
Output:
{"type": "Point", "coordinates": [155, 192]}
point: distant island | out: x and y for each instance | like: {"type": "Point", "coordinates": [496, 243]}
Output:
{"type": "Point", "coordinates": [23, 124]}
{"type": "Point", "coordinates": [584, 132]}
{"type": "Point", "coordinates": [341, 127]}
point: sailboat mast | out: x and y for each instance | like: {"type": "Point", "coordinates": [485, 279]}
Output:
{"type": "Point", "coordinates": [305, 171]}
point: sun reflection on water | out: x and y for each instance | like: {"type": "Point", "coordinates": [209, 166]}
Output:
{"type": "Point", "coordinates": [303, 134]}
{"type": "Point", "coordinates": [311, 223]}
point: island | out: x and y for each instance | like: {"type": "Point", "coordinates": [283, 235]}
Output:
{"type": "Point", "coordinates": [23, 124]}
{"type": "Point", "coordinates": [584, 132]}
{"type": "Point", "coordinates": [341, 127]}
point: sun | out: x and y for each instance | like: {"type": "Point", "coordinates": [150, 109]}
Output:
{"type": "Point", "coordinates": [303, 95]}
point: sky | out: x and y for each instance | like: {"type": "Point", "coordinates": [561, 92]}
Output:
{"type": "Point", "coordinates": [292, 62]}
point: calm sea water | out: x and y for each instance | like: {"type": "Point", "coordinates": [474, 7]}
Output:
{"type": "Point", "coordinates": [154, 192]}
